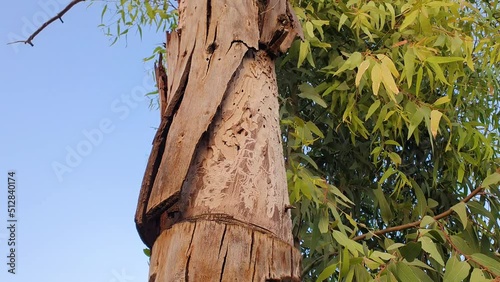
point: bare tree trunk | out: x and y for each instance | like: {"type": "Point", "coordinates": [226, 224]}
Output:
{"type": "Point", "coordinates": [213, 205]}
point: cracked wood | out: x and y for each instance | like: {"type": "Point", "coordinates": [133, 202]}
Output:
{"type": "Point", "coordinates": [231, 253]}
{"type": "Point", "coordinates": [202, 58]}
{"type": "Point", "coordinates": [213, 203]}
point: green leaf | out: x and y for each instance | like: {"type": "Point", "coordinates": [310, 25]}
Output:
{"type": "Point", "coordinates": [405, 273]}
{"type": "Point", "coordinates": [311, 126]}
{"type": "Point", "coordinates": [327, 272]}
{"type": "Point", "coordinates": [456, 43]}
{"type": "Point", "coordinates": [149, 10]}
{"type": "Point", "coordinates": [381, 256]}
{"type": "Point", "coordinates": [430, 247]}
{"type": "Point", "coordinates": [390, 171]}
{"type": "Point", "coordinates": [409, 60]}
{"type": "Point", "coordinates": [370, 264]}
{"type": "Point", "coordinates": [420, 73]}
{"type": "Point", "coordinates": [309, 29]}
{"type": "Point", "coordinates": [353, 61]}
{"type": "Point", "coordinates": [308, 92]}
{"type": "Point", "coordinates": [409, 19]}
{"type": "Point", "coordinates": [339, 194]}
{"type": "Point", "coordinates": [391, 142]}
{"type": "Point", "coordinates": [439, 72]}
{"type": "Point", "coordinates": [395, 246]}
{"type": "Point", "coordinates": [492, 264]}
{"type": "Point", "coordinates": [307, 159]}
{"type": "Point", "coordinates": [442, 100]}
{"type": "Point", "coordinates": [147, 252]}
{"type": "Point", "coordinates": [361, 70]}
{"type": "Point", "coordinates": [422, 276]}
{"type": "Point", "coordinates": [372, 109]}
{"type": "Point", "coordinates": [303, 51]}
{"type": "Point", "coordinates": [462, 245]}
{"type": "Point", "coordinates": [444, 60]}
{"type": "Point", "coordinates": [343, 240]}
{"type": "Point", "coordinates": [395, 158]}
{"type": "Point", "coordinates": [427, 220]}
{"type": "Point", "coordinates": [411, 250]}
{"type": "Point", "coordinates": [323, 224]}
{"type": "Point", "coordinates": [478, 208]}
{"type": "Point", "coordinates": [435, 119]}
{"type": "Point", "coordinates": [415, 120]}
{"type": "Point", "coordinates": [421, 200]}
{"type": "Point", "coordinates": [386, 61]}
{"type": "Point", "coordinates": [456, 270]}
{"type": "Point", "coordinates": [431, 203]}
{"type": "Point", "coordinates": [104, 12]}
{"type": "Point", "coordinates": [343, 19]}
{"type": "Point", "coordinates": [388, 80]}
{"type": "Point", "coordinates": [419, 263]}
{"type": "Point", "coordinates": [385, 209]}
{"type": "Point", "coordinates": [345, 264]}
{"type": "Point", "coordinates": [376, 78]}
{"type": "Point", "coordinates": [393, 14]}
{"type": "Point", "coordinates": [302, 187]}
{"type": "Point", "coordinates": [478, 276]}
{"type": "Point", "coordinates": [491, 179]}
{"type": "Point", "coordinates": [461, 210]}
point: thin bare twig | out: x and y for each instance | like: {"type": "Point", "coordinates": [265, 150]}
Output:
{"type": "Point", "coordinates": [56, 17]}
{"type": "Point", "coordinates": [417, 223]}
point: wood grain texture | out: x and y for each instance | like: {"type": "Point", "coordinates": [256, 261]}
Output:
{"type": "Point", "coordinates": [214, 194]}
{"type": "Point", "coordinates": [217, 54]}
{"type": "Point", "coordinates": [231, 253]}
{"type": "Point", "coordinates": [238, 168]}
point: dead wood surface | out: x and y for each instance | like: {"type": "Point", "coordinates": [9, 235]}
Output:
{"type": "Point", "coordinates": [230, 253]}
{"type": "Point", "coordinates": [203, 57]}
{"type": "Point", "coordinates": [238, 169]}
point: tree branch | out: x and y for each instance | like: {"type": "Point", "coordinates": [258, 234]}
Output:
{"type": "Point", "coordinates": [56, 17]}
{"type": "Point", "coordinates": [467, 257]}
{"type": "Point", "coordinates": [417, 223]}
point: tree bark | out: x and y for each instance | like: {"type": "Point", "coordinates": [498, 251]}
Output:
{"type": "Point", "coordinates": [213, 205]}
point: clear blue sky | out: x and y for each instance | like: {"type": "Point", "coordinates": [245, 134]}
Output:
{"type": "Point", "coordinates": [76, 223]}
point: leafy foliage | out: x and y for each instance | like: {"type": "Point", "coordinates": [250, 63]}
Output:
{"type": "Point", "coordinates": [403, 100]}
{"type": "Point", "coordinates": [126, 15]}
{"type": "Point", "coordinates": [390, 114]}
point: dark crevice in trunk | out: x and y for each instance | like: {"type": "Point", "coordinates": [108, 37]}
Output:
{"type": "Point", "coordinates": [242, 42]}
{"type": "Point", "coordinates": [211, 49]}
{"type": "Point", "coordinates": [222, 239]}
{"type": "Point", "coordinates": [209, 18]}
{"type": "Point", "coordinates": [223, 264]}
{"type": "Point", "coordinates": [192, 235]}
{"type": "Point", "coordinates": [272, 259]}
{"type": "Point", "coordinates": [251, 247]}
{"type": "Point", "coordinates": [186, 273]}
{"type": "Point", "coordinates": [253, 258]}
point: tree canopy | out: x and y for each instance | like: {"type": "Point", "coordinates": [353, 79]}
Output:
{"type": "Point", "coordinates": [390, 119]}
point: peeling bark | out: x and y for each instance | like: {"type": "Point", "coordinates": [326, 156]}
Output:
{"type": "Point", "coordinates": [217, 159]}
{"type": "Point", "coordinates": [238, 167]}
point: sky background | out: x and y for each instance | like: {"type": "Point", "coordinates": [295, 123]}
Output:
{"type": "Point", "coordinates": [77, 103]}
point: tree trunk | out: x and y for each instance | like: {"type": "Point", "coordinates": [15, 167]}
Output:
{"type": "Point", "coordinates": [214, 200]}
